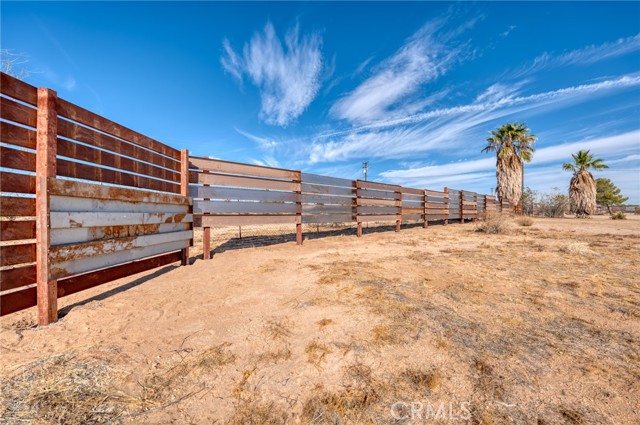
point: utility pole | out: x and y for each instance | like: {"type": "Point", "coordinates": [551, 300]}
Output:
{"type": "Point", "coordinates": [365, 168]}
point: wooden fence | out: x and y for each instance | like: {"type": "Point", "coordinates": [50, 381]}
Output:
{"type": "Point", "coordinates": [230, 194]}
{"type": "Point", "coordinates": [85, 201]}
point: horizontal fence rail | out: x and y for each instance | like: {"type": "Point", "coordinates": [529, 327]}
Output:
{"type": "Point", "coordinates": [85, 200]}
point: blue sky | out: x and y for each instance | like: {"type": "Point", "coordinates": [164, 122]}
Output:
{"type": "Point", "coordinates": [413, 88]}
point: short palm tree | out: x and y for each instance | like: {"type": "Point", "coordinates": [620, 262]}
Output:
{"type": "Point", "coordinates": [582, 189]}
{"type": "Point", "coordinates": [513, 145]}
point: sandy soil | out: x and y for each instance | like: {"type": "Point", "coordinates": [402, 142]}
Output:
{"type": "Point", "coordinates": [539, 325]}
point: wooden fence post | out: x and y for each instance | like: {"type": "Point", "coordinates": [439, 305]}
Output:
{"type": "Point", "coordinates": [462, 206]}
{"type": "Point", "coordinates": [356, 201]}
{"type": "Point", "coordinates": [425, 224]}
{"type": "Point", "coordinates": [446, 192]}
{"type": "Point", "coordinates": [299, 209]}
{"type": "Point", "coordinates": [399, 206]}
{"type": "Point", "coordinates": [47, 131]}
{"type": "Point", "coordinates": [206, 243]}
{"type": "Point", "coordinates": [184, 191]}
{"type": "Point", "coordinates": [486, 206]}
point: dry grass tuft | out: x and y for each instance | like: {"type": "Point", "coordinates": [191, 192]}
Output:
{"type": "Point", "coordinates": [275, 356]}
{"type": "Point", "coordinates": [316, 352]}
{"type": "Point", "coordinates": [524, 221]}
{"type": "Point", "coordinates": [576, 248]}
{"type": "Point", "coordinates": [279, 329]}
{"type": "Point", "coordinates": [351, 405]}
{"type": "Point", "coordinates": [64, 390]}
{"type": "Point", "coordinates": [160, 386]}
{"type": "Point", "coordinates": [421, 379]}
{"type": "Point", "coordinates": [258, 413]}
{"type": "Point", "coordinates": [494, 224]}
{"type": "Point", "coordinates": [618, 216]}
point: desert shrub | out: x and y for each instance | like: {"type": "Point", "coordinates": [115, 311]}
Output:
{"type": "Point", "coordinates": [524, 221]}
{"type": "Point", "coordinates": [493, 224]}
{"type": "Point", "coordinates": [618, 216]}
{"type": "Point", "coordinates": [554, 205]}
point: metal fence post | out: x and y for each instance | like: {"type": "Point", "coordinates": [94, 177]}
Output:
{"type": "Point", "coordinates": [299, 208]}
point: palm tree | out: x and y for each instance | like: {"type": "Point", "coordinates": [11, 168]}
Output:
{"type": "Point", "coordinates": [582, 189]}
{"type": "Point", "coordinates": [512, 144]}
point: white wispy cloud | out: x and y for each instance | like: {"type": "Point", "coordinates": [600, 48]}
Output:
{"type": "Point", "coordinates": [583, 56]}
{"type": "Point", "coordinates": [287, 74]}
{"type": "Point", "coordinates": [446, 128]}
{"type": "Point", "coordinates": [264, 143]}
{"type": "Point", "coordinates": [424, 57]}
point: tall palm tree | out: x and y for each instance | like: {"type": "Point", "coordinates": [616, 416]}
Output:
{"type": "Point", "coordinates": [513, 145]}
{"type": "Point", "coordinates": [582, 189]}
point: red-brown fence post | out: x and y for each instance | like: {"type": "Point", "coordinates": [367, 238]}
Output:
{"type": "Point", "coordinates": [425, 199]}
{"type": "Point", "coordinates": [184, 191]}
{"type": "Point", "coordinates": [299, 208]}
{"type": "Point", "coordinates": [206, 243]}
{"type": "Point", "coordinates": [399, 206]}
{"type": "Point", "coordinates": [462, 206]}
{"type": "Point", "coordinates": [357, 203]}
{"type": "Point", "coordinates": [446, 196]}
{"type": "Point", "coordinates": [47, 131]}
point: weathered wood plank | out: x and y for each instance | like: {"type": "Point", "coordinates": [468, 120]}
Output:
{"type": "Point", "coordinates": [108, 159]}
{"type": "Point", "coordinates": [62, 220]}
{"type": "Point", "coordinates": [82, 265]}
{"type": "Point", "coordinates": [82, 171]}
{"type": "Point", "coordinates": [246, 182]}
{"type": "Point", "coordinates": [409, 190]}
{"type": "Point", "coordinates": [361, 184]}
{"type": "Point", "coordinates": [370, 218]}
{"type": "Point", "coordinates": [71, 285]}
{"type": "Point", "coordinates": [412, 211]}
{"type": "Point", "coordinates": [238, 207]}
{"type": "Point", "coordinates": [18, 89]}
{"type": "Point", "coordinates": [409, 197]}
{"type": "Point", "coordinates": [324, 199]}
{"type": "Point", "coordinates": [376, 202]}
{"type": "Point", "coordinates": [17, 183]}
{"type": "Point", "coordinates": [436, 212]}
{"type": "Point", "coordinates": [17, 159]}
{"type": "Point", "coordinates": [73, 204]}
{"type": "Point", "coordinates": [16, 301]}
{"type": "Point", "coordinates": [216, 165]}
{"type": "Point", "coordinates": [91, 137]}
{"type": "Point", "coordinates": [88, 234]}
{"type": "Point", "coordinates": [17, 230]}
{"type": "Point", "coordinates": [19, 136]}
{"type": "Point", "coordinates": [412, 204]}
{"type": "Point", "coordinates": [328, 190]}
{"type": "Point", "coordinates": [327, 209]}
{"type": "Point", "coordinates": [378, 210]}
{"type": "Point", "coordinates": [327, 218]}
{"type": "Point", "coordinates": [88, 118]}
{"type": "Point", "coordinates": [17, 112]}
{"type": "Point", "coordinates": [95, 191]}
{"type": "Point", "coordinates": [326, 180]}
{"type": "Point", "coordinates": [17, 277]}
{"type": "Point", "coordinates": [378, 194]}
{"type": "Point", "coordinates": [406, 217]}
{"type": "Point", "coordinates": [230, 193]}
{"type": "Point", "coordinates": [17, 254]}
{"type": "Point", "coordinates": [64, 253]}
{"type": "Point", "coordinates": [237, 220]}
{"type": "Point", "coordinates": [17, 206]}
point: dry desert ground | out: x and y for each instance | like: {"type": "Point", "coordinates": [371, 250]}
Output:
{"type": "Point", "coordinates": [540, 325]}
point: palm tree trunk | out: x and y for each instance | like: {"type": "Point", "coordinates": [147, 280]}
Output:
{"type": "Point", "coordinates": [509, 175]}
{"type": "Point", "coordinates": [582, 193]}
